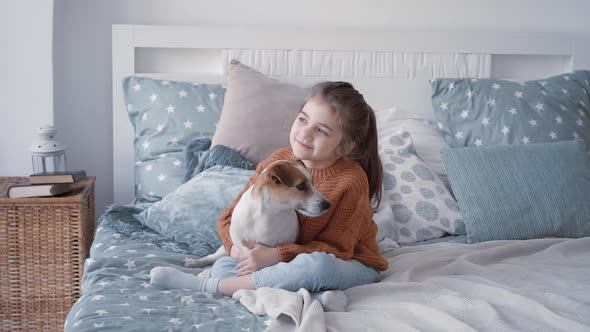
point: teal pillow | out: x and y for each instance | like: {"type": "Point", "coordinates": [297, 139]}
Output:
{"type": "Point", "coordinates": [486, 112]}
{"type": "Point", "coordinates": [521, 191]}
{"type": "Point", "coordinates": [189, 214]}
{"type": "Point", "coordinates": [166, 116]}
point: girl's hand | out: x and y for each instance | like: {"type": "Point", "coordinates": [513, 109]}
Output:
{"type": "Point", "coordinates": [258, 257]}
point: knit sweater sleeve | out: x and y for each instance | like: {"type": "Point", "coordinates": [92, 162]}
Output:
{"type": "Point", "coordinates": [341, 233]}
{"type": "Point", "coordinates": [224, 220]}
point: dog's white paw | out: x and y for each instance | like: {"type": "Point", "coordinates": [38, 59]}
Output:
{"type": "Point", "coordinates": [192, 262]}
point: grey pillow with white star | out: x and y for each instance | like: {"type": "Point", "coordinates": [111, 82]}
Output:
{"type": "Point", "coordinates": [423, 208]}
{"type": "Point", "coordinates": [488, 112]}
{"type": "Point", "coordinates": [189, 213]}
{"type": "Point", "coordinates": [166, 116]}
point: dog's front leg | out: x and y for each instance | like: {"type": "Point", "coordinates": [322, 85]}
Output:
{"type": "Point", "coordinates": [207, 260]}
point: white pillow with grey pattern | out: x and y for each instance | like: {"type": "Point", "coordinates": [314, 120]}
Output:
{"type": "Point", "coordinates": [428, 142]}
{"type": "Point", "coordinates": [422, 206]}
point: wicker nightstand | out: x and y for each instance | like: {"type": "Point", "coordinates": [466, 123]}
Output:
{"type": "Point", "coordinates": [43, 244]}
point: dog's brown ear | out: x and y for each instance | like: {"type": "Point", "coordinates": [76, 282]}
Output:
{"type": "Point", "coordinates": [281, 174]}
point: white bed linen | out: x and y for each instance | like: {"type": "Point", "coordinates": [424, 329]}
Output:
{"type": "Point", "coordinates": [532, 285]}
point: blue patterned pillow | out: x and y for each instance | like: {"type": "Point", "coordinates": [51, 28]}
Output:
{"type": "Point", "coordinates": [189, 213]}
{"type": "Point", "coordinates": [521, 191]}
{"type": "Point", "coordinates": [486, 112]}
{"type": "Point", "coordinates": [166, 116]}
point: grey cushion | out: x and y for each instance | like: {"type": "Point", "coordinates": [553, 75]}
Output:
{"type": "Point", "coordinates": [257, 114]}
{"type": "Point", "coordinates": [522, 191]}
{"type": "Point", "coordinates": [189, 213]}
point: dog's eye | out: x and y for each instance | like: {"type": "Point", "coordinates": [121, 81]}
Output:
{"type": "Point", "coordinates": [302, 186]}
{"type": "Point", "coordinates": [276, 179]}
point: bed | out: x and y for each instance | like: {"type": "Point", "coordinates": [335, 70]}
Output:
{"type": "Point", "coordinates": [453, 264]}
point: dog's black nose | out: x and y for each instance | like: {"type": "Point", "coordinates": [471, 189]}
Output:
{"type": "Point", "coordinates": [325, 205]}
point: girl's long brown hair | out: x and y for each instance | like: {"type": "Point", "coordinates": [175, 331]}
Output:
{"type": "Point", "coordinates": [359, 129]}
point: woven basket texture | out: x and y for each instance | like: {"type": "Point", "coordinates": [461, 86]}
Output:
{"type": "Point", "coordinates": [43, 245]}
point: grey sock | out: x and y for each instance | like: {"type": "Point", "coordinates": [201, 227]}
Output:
{"type": "Point", "coordinates": [171, 278]}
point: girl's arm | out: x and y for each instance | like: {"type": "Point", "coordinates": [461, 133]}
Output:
{"type": "Point", "coordinates": [339, 237]}
{"type": "Point", "coordinates": [341, 234]}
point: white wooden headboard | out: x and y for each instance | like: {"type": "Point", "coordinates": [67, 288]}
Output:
{"type": "Point", "coordinates": [390, 67]}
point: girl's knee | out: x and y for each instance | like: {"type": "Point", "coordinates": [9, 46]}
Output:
{"type": "Point", "coordinates": [316, 263]}
{"type": "Point", "coordinates": [224, 267]}
{"type": "Point", "coordinates": [307, 271]}
{"type": "Point", "coordinates": [315, 272]}
{"type": "Point", "coordinates": [328, 270]}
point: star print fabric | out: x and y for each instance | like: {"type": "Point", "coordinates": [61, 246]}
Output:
{"type": "Point", "coordinates": [489, 112]}
{"type": "Point", "coordinates": [118, 296]}
{"type": "Point", "coordinates": [166, 116]}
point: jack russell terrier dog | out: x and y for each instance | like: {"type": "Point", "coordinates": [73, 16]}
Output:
{"type": "Point", "coordinates": [266, 214]}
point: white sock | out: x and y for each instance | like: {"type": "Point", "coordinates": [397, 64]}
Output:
{"type": "Point", "coordinates": [171, 278]}
{"type": "Point", "coordinates": [334, 300]}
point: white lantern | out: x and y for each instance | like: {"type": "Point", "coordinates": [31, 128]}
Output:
{"type": "Point", "coordinates": [48, 154]}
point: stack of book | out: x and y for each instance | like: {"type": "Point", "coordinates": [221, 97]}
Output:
{"type": "Point", "coordinates": [47, 184]}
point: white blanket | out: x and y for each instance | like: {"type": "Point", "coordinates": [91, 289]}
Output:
{"type": "Point", "coordinates": [532, 285]}
{"type": "Point", "coordinates": [290, 311]}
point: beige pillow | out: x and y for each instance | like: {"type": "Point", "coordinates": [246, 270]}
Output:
{"type": "Point", "coordinates": [257, 113]}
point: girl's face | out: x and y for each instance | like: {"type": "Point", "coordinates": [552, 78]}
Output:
{"type": "Point", "coordinates": [316, 135]}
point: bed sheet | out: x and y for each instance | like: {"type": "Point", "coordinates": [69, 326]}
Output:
{"type": "Point", "coordinates": [445, 239]}
{"type": "Point", "coordinates": [524, 285]}
{"type": "Point", "coordinates": [117, 295]}
{"type": "Point", "coordinates": [527, 285]}
{"type": "Point", "coordinates": [519, 285]}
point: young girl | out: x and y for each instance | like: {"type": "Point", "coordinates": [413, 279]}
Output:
{"type": "Point", "coordinates": [335, 137]}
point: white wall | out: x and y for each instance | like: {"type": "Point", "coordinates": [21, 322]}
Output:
{"type": "Point", "coordinates": [26, 82]}
{"type": "Point", "coordinates": [82, 42]}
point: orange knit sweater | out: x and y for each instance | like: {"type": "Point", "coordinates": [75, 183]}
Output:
{"type": "Point", "coordinates": [346, 230]}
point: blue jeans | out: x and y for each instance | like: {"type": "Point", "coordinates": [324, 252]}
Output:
{"type": "Point", "coordinates": [315, 272]}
